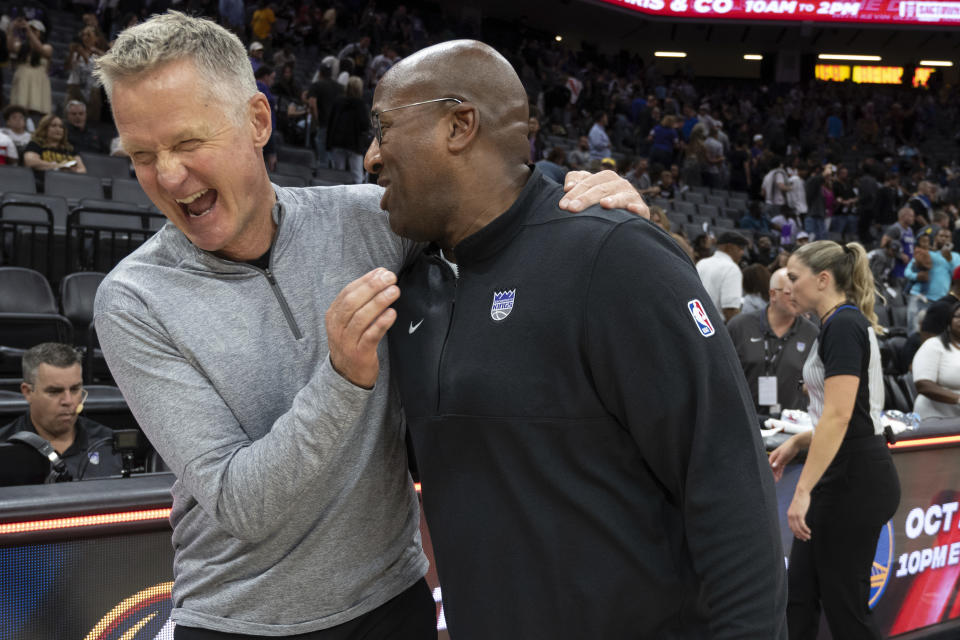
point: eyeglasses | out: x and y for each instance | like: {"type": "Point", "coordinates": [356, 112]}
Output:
{"type": "Point", "coordinates": [376, 114]}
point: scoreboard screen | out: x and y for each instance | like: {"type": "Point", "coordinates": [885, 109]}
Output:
{"type": "Point", "coordinates": [881, 12]}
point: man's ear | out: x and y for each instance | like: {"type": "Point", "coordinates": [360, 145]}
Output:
{"type": "Point", "coordinates": [258, 114]}
{"type": "Point", "coordinates": [25, 390]}
{"type": "Point", "coordinates": [464, 127]}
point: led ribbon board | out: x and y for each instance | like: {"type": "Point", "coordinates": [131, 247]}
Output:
{"type": "Point", "coordinates": [892, 12]}
{"type": "Point", "coordinates": [869, 74]}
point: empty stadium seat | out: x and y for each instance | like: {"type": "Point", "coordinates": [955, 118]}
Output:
{"type": "Point", "coordinates": [104, 166]}
{"type": "Point", "coordinates": [18, 179]}
{"type": "Point", "coordinates": [692, 231]}
{"type": "Point", "coordinates": [26, 236]}
{"type": "Point", "coordinates": [702, 220]}
{"type": "Point", "coordinates": [335, 175]}
{"type": "Point", "coordinates": [72, 186]}
{"type": "Point", "coordinates": [738, 204]}
{"type": "Point", "coordinates": [55, 204]}
{"type": "Point", "coordinates": [677, 220]}
{"type": "Point", "coordinates": [288, 181]}
{"type": "Point", "coordinates": [28, 316]}
{"type": "Point", "coordinates": [293, 169]}
{"type": "Point", "coordinates": [909, 387]}
{"type": "Point", "coordinates": [25, 291]}
{"type": "Point", "coordinates": [894, 397]}
{"type": "Point", "coordinates": [129, 191]}
{"type": "Point", "coordinates": [295, 155]}
{"type": "Point", "coordinates": [77, 293]}
{"type": "Point", "coordinates": [687, 208]}
{"type": "Point", "coordinates": [694, 197]}
{"type": "Point", "coordinates": [708, 210]}
{"type": "Point", "coordinates": [717, 201]}
{"type": "Point", "coordinates": [103, 233]}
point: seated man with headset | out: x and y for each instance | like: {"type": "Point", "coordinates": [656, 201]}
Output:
{"type": "Point", "coordinates": [53, 387]}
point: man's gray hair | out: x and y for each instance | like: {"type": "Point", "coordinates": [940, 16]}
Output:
{"type": "Point", "coordinates": [218, 55]}
{"type": "Point", "coordinates": [55, 354]}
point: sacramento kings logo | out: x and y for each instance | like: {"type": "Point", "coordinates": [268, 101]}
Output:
{"type": "Point", "coordinates": [882, 562]}
{"type": "Point", "coordinates": [502, 304]}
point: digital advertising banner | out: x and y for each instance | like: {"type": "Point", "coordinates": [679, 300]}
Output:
{"type": "Point", "coordinates": [915, 579]}
{"type": "Point", "coordinates": [883, 12]}
{"type": "Point", "coordinates": [117, 587]}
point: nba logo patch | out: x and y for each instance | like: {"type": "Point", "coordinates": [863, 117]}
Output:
{"type": "Point", "coordinates": [801, 346]}
{"type": "Point", "coordinates": [502, 304]}
{"type": "Point", "coordinates": [700, 318]}
{"type": "Point", "coordinates": [94, 457]}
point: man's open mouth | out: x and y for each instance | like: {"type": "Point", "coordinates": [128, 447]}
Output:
{"type": "Point", "coordinates": [199, 204]}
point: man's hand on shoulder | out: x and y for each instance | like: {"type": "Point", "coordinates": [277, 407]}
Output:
{"type": "Point", "coordinates": [356, 321]}
{"type": "Point", "coordinates": [584, 189]}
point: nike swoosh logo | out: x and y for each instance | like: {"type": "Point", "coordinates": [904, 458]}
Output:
{"type": "Point", "coordinates": [414, 327]}
{"type": "Point", "coordinates": [751, 339]}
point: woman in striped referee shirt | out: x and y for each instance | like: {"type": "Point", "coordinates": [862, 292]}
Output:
{"type": "Point", "coordinates": [848, 488]}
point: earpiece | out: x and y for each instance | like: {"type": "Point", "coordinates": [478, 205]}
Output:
{"type": "Point", "coordinates": [82, 400]}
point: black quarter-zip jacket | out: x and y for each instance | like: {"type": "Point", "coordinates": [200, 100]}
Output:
{"type": "Point", "coordinates": [590, 460]}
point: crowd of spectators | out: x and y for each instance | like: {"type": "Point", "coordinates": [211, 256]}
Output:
{"type": "Point", "coordinates": [866, 163]}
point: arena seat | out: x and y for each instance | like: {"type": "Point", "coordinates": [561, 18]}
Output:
{"type": "Point", "coordinates": [335, 175]}
{"type": "Point", "coordinates": [18, 179]}
{"type": "Point", "coordinates": [103, 232]}
{"type": "Point", "coordinates": [287, 180]}
{"type": "Point", "coordinates": [894, 397]}
{"type": "Point", "coordinates": [692, 231]}
{"type": "Point", "coordinates": [57, 205]}
{"type": "Point", "coordinates": [694, 197]}
{"type": "Point", "coordinates": [77, 293]}
{"type": "Point", "coordinates": [72, 186]}
{"type": "Point", "coordinates": [738, 204]}
{"type": "Point", "coordinates": [909, 387]}
{"type": "Point", "coordinates": [702, 220]}
{"type": "Point", "coordinates": [28, 316]}
{"type": "Point", "coordinates": [677, 219]}
{"type": "Point", "coordinates": [295, 155]}
{"type": "Point", "coordinates": [26, 236]}
{"type": "Point", "coordinates": [687, 208]}
{"type": "Point", "coordinates": [708, 210]}
{"type": "Point", "coordinates": [129, 191]}
{"type": "Point", "coordinates": [718, 201]}
{"type": "Point", "coordinates": [724, 223]}
{"type": "Point", "coordinates": [104, 166]}
{"type": "Point", "coordinates": [25, 291]}
{"type": "Point", "coordinates": [294, 169]}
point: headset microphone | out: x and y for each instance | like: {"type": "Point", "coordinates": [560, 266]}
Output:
{"type": "Point", "coordinates": [82, 400]}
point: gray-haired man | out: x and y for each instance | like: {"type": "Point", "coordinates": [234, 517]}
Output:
{"type": "Point", "coordinates": [293, 509]}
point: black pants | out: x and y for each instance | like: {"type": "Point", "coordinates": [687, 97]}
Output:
{"type": "Point", "coordinates": [412, 615]}
{"type": "Point", "coordinates": [855, 498]}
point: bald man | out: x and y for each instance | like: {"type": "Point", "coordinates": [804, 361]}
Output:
{"type": "Point", "coordinates": [589, 455]}
{"type": "Point", "coordinates": [772, 345]}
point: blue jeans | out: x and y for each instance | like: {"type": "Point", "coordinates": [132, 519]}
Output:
{"type": "Point", "coordinates": [815, 227]}
{"type": "Point", "coordinates": [345, 160]}
{"type": "Point", "coordinates": [845, 224]}
{"type": "Point", "coordinates": [320, 148]}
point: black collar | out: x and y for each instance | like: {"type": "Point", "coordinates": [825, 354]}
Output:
{"type": "Point", "coordinates": [496, 235]}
